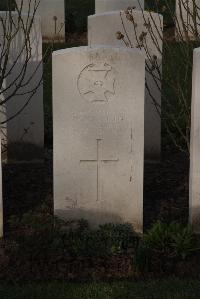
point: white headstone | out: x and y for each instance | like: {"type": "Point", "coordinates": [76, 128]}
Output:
{"type": "Point", "coordinates": [195, 146]}
{"type": "Point", "coordinates": [52, 14]}
{"type": "Point", "coordinates": [24, 131]}
{"type": "Point", "coordinates": [98, 120]}
{"type": "Point", "coordinates": [1, 199]}
{"type": "Point", "coordinates": [102, 29]}
{"type": "Point", "coordinates": [111, 5]}
{"type": "Point", "coordinates": [187, 19]}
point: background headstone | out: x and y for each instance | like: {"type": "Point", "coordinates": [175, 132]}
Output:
{"type": "Point", "coordinates": [195, 146]}
{"type": "Point", "coordinates": [98, 120]}
{"type": "Point", "coordinates": [111, 5]}
{"type": "Point", "coordinates": [1, 200]}
{"type": "Point", "coordinates": [23, 134]}
{"type": "Point", "coordinates": [102, 29]}
{"type": "Point", "coordinates": [52, 14]}
{"type": "Point", "coordinates": [188, 20]}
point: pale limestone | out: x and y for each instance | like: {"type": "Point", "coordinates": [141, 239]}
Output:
{"type": "Point", "coordinates": [1, 198]}
{"type": "Point", "coordinates": [23, 133]}
{"type": "Point", "coordinates": [185, 14]}
{"type": "Point", "coordinates": [98, 121]}
{"type": "Point", "coordinates": [112, 5]}
{"type": "Point", "coordinates": [102, 29]}
{"type": "Point", "coordinates": [195, 146]}
{"type": "Point", "coordinates": [52, 29]}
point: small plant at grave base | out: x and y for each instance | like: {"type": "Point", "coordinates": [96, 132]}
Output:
{"type": "Point", "coordinates": [163, 245]}
{"type": "Point", "coordinates": [105, 241]}
{"type": "Point", "coordinates": [39, 234]}
{"type": "Point", "coordinates": [36, 233]}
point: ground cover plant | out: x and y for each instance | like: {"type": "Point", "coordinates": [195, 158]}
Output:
{"type": "Point", "coordinates": [39, 247]}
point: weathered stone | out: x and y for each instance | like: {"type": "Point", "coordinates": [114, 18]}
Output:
{"type": "Point", "coordinates": [1, 200]}
{"type": "Point", "coordinates": [195, 146]}
{"type": "Point", "coordinates": [141, 30]}
{"type": "Point", "coordinates": [111, 5]}
{"type": "Point", "coordinates": [98, 120]}
{"type": "Point", "coordinates": [187, 19]}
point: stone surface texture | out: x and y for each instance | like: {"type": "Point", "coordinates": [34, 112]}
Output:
{"type": "Point", "coordinates": [52, 13]}
{"type": "Point", "coordinates": [102, 29]}
{"type": "Point", "coordinates": [98, 120]}
{"type": "Point", "coordinates": [1, 200]}
{"type": "Point", "coordinates": [195, 146]}
{"type": "Point", "coordinates": [112, 5]}
{"type": "Point", "coordinates": [23, 130]}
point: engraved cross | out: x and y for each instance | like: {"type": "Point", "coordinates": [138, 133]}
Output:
{"type": "Point", "coordinates": [99, 162]}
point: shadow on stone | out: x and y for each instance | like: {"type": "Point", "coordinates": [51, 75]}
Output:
{"type": "Point", "coordinates": [94, 218]}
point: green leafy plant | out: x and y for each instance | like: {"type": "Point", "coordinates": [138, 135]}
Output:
{"type": "Point", "coordinates": [107, 240]}
{"type": "Point", "coordinates": [38, 233]}
{"type": "Point", "coordinates": [165, 244]}
{"type": "Point", "coordinates": [183, 242]}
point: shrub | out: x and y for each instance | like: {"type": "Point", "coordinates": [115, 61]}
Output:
{"type": "Point", "coordinates": [39, 234]}
{"type": "Point", "coordinates": [165, 244]}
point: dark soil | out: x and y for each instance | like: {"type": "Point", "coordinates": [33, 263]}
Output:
{"type": "Point", "coordinates": [26, 186]}
{"type": "Point", "coordinates": [66, 269]}
{"type": "Point", "coordinates": [166, 189]}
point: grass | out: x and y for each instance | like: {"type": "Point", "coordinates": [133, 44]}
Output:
{"type": "Point", "coordinates": [160, 289]}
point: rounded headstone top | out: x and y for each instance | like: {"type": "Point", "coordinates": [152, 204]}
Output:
{"type": "Point", "coordinates": [112, 5]}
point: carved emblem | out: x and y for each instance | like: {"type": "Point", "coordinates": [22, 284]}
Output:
{"type": "Point", "coordinates": [96, 82]}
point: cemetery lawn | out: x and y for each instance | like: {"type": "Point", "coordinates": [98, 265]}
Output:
{"type": "Point", "coordinates": [160, 289]}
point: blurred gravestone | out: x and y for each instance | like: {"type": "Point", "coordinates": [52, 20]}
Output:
{"type": "Point", "coordinates": [188, 19]}
{"type": "Point", "coordinates": [22, 90]}
{"type": "Point", "coordinates": [52, 13]}
{"type": "Point", "coordinates": [112, 5]}
{"type": "Point", "coordinates": [1, 198]}
{"type": "Point", "coordinates": [195, 146]}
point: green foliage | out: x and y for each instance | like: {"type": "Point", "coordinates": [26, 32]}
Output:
{"type": "Point", "coordinates": [165, 242]}
{"type": "Point", "coordinates": [172, 239]}
{"type": "Point", "coordinates": [40, 234]}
